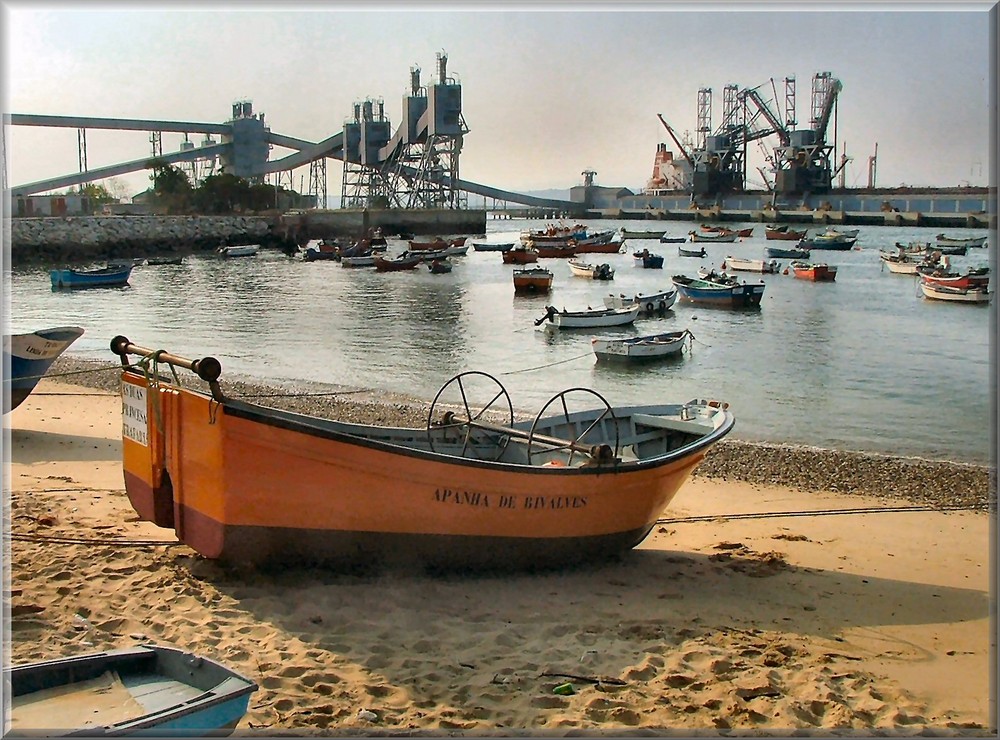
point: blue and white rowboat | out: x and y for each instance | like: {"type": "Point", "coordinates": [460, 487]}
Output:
{"type": "Point", "coordinates": [112, 276]}
{"type": "Point", "coordinates": [707, 293]}
{"type": "Point", "coordinates": [145, 690]}
{"type": "Point", "coordinates": [29, 356]}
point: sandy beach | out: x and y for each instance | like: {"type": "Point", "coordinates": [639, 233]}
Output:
{"type": "Point", "coordinates": [761, 604]}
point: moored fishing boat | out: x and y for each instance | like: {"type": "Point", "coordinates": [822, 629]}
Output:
{"type": "Point", "coordinates": [705, 236]}
{"type": "Point", "coordinates": [492, 247]}
{"type": "Point", "coordinates": [148, 690]}
{"type": "Point", "coordinates": [783, 233]}
{"type": "Point", "coordinates": [28, 356]}
{"type": "Point", "coordinates": [672, 239]}
{"type": "Point", "coordinates": [165, 260]}
{"type": "Point", "coordinates": [404, 261]}
{"type": "Point", "coordinates": [532, 280]}
{"type": "Point", "coordinates": [648, 260]}
{"type": "Point", "coordinates": [939, 292]}
{"type": "Point", "coordinates": [973, 242]}
{"type": "Point", "coordinates": [977, 277]}
{"type": "Point", "coordinates": [359, 260]}
{"type": "Point", "coordinates": [840, 243]}
{"type": "Point", "coordinates": [592, 318]}
{"type": "Point", "coordinates": [741, 264]}
{"type": "Point", "coordinates": [474, 489]}
{"type": "Point", "coordinates": [552, 249]}
{"type": "Point", "coordinates": [439, 266]}
{"type": "Point", "coordinates": [721, 295]}
{"type": "Point", "coordinates": [591, 271]}
{"type": "Point", "coordinates": [793, 253]}
{"type": "Point", "coordinates": [682, 252]}
{"type": "Point", "coordinates": [742, 233]}
{"type": "Point", "coordinates": [647, 302]}
{"type": "Point", "coordinates": [818, 272]}
{"type": "Point", "coordinates": [905, 263]}
{"type": "Point", "coordinates": [641, 233]}
{"type": "Point", "coordinates": [238, 250]}
{"type": "Point", "coordinates": [638, 349]}
{"type": "Point", "coordinates": [111, 276]}
{"type": "Point", "coordinates": [520, 256]}
{"type": "Point", "coordinates": [321, 251]}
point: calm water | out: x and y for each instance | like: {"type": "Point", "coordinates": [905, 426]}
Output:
{"type": "Point", "coordinates": [864, 363]}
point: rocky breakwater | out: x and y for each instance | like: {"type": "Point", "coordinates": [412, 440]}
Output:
{"type": "Point", "coordinates": [124, 237]}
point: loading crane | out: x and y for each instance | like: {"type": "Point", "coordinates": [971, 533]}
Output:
{"type": "Point", "coordinates": [803, 162]}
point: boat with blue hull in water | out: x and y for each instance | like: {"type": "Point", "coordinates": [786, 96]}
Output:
{"type": "Point", "coordinates": [719, 294]}
{"type": "Point", "coordinates": [111, 276]}
{"type": "Point", "coordinates": [29, 356]}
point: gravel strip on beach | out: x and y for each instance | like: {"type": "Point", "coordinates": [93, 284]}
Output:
{"type": "Point", "coordinates": [915, 480]}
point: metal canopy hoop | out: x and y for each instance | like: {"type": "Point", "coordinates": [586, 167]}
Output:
{"type": "Point", "coordinates": [465, 421]}
{"type": "Point", "coordinates": [599, 454]}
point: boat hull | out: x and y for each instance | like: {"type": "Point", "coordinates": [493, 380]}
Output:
{"type": "Point", "coordinates": [745, 296]}
{"type": "Point", "coordinates": [145, 690]}
{"type": "Point", "coordinates": [956, 295]}
{"type": "Point", "coordinates": [788, 254]}
{"type": "Point", "coordinates": [104, 278]}
{"type": "Point", "coordinates": [817, 273]}
{"type": "Point", "coordinates": [640, 349]}
{"type": "Point", "coordinates": [250, 485]}
{"type": "Point", "coordinates": [29, 357]}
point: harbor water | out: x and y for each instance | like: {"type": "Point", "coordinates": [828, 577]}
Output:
{"type": "Point", "coordinates": [864, 363]}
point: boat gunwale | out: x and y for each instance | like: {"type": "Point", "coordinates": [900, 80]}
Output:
{"type": "Point", "coordinates": [320, 427]}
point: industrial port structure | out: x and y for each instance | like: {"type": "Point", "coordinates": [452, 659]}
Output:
{"type": "Point", "coordinates": [416, 165]}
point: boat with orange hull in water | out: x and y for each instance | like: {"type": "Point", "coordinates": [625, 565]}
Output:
{"type": "Point", "coordinates": [253, 485]}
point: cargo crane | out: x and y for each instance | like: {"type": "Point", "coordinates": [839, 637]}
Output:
{"type": "Point", "coordinates": [719, 162]}
{"type": "Point", "coordinates": [803, 162]}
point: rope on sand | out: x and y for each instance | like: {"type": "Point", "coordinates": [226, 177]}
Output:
{"type": "Point", "coordinates": [116, 542]}
{"type": "Point", "coordinates": [818, 512]}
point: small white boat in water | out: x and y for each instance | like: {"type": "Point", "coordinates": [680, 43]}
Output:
{"type": "Point", "coordinates": [740, 264]}
{"type": "Point", "coordinates": [648, 302]}
{"type": "Point", "coordinates": [938, 292]}
{"type": "Point", "coordinates": [242, 250]}
{"type": "Point", "coordinates": [651, 347]}
{"type": "Point", "coordinates": [590, 319]}
{"type": "Point", "coordinates": [583, 269]}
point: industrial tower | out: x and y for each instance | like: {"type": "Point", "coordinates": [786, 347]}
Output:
{"type": "Point", "coordinates": [418, 165]}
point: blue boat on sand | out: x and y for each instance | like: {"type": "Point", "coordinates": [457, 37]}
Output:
{"type": "Point", "coordinates": [29, 356]}
{"type": "Point", "coordinates": [112, 276]}
{"type": "Point", "coordinates": [144, 690]}
{"type": "Point", "coordinates": [728, 294]}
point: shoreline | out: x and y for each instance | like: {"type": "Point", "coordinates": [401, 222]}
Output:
{"type": "Point", "coordinates": [935, 483]}
{"type": "Point", "coordinates": [750, 609]}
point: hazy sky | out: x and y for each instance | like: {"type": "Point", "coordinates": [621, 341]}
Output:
{"type": "Point", "coordinates": [546, 93]}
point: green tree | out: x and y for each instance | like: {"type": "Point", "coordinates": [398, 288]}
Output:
{"type": "Point", "coordinates": [171, 185]}
{"type": "Point", "coordinates": [97, 193]}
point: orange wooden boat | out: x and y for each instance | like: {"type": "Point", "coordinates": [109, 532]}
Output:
{"type": "Point", "coordinates": [783, 233]}
{"type": "Point", "coordinates": [520, 256]}
{"type": "Point", "coordinates": [248, 484]}
{"type": "Point", "coordinates": [818, 272]}
{"type": "Point", "coordinates": [532, 280]}
{"type": "Point", "coordinates": [742, 233]}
